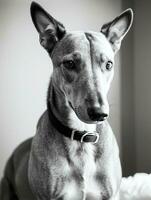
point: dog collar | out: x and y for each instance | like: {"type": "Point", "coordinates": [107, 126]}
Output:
{"type": "Point", "coordinates": [81, 136]}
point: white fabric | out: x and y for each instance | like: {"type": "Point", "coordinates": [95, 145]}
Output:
{"type": "Point", "coordinates": [137, 187]}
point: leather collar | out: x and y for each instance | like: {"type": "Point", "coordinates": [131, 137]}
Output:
{"type": "Point", "coordinates": [81, 136]}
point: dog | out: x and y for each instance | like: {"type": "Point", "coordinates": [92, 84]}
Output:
{"type": "Point", "coordinates": [74, 154]}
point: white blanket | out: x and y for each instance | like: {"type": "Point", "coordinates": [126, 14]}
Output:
{"type": "Point", "coordinates": [137, 187]}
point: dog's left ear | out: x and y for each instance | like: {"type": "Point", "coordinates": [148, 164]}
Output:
{"type": "Point", "coordinates": [50, 30]}
{"type": "Point", "coordinates": [118, 28]}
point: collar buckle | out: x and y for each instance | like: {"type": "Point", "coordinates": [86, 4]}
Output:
{"type": "Point", "coordinates": [90, 134]}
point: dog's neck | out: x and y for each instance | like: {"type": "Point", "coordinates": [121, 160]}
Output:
{"type": "Point", "coordinates": [63, 112]}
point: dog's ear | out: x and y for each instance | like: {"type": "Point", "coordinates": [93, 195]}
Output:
{"type": "Point", "coordinates": [50, 30]}
{"type": "Point", "coordinates": [118, 28]}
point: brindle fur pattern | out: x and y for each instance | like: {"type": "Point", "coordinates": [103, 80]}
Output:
{"type": "Point", "coordinates": [50, 166]}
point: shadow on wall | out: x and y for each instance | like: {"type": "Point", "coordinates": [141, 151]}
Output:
{"type": "Point", "coordinates": [136, 92]}
{"type": "Point", "coordinates": [127, 100]}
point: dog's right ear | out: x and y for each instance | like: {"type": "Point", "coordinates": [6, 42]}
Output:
{"type": "Point", "coordinates": [50, 30]}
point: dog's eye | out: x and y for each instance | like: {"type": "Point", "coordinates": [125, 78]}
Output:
{"type": "Point", "coordinates": [109, 65]}
{"type": "Point", "coordinates": [69, 64]}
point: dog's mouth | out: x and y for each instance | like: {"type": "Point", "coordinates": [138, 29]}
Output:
{"type": "Point", "coordinates": [77, 113]}
{"type": "Point", "coordinates": [85, 118]}
{"type": "Point", "coordinates": [70, 104]}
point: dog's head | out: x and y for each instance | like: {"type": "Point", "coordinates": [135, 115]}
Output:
{"type": "Point", "coordinates": [83, 61]}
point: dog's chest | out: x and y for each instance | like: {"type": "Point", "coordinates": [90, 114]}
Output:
{"type": "Point", "coordinates": [81, 183]}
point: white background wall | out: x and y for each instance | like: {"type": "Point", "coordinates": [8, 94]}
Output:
{"type": "Point", "coordinates": [25, 67]}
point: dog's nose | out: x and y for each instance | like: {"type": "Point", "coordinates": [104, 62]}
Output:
{"type": "Point", "coordinates": [96, 114]}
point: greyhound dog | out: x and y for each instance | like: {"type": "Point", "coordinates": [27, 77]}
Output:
{"type": "Point", "coordinates": [74, 154]}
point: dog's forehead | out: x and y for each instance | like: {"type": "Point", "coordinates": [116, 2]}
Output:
{"type": "Point", "coordinates": [84, 41]}
{"type": "Point", "coordinates": [74, 41]}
